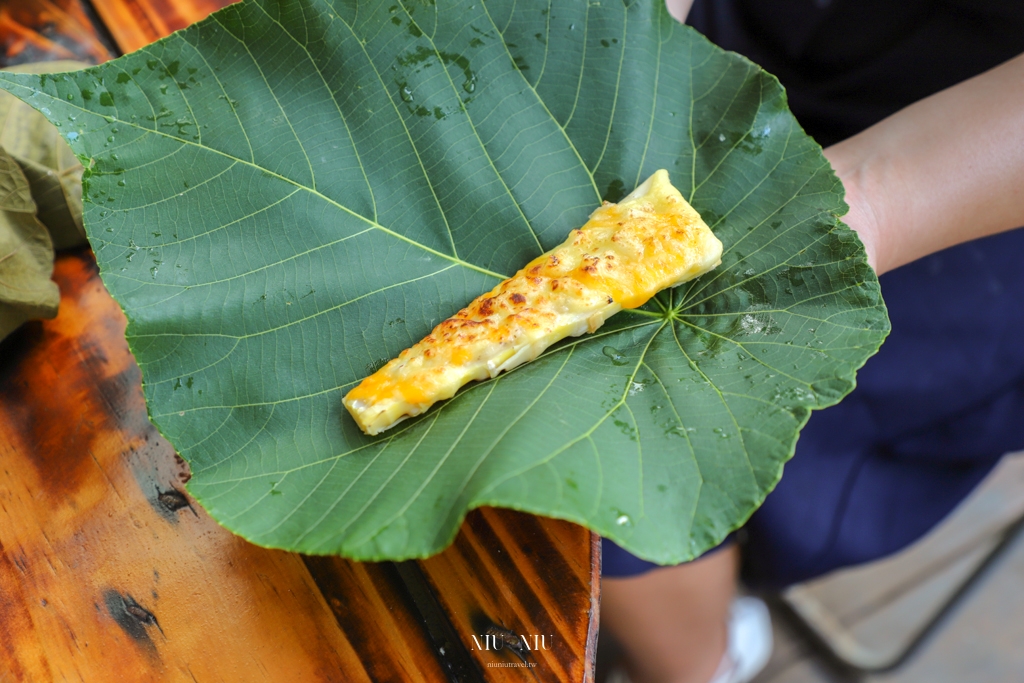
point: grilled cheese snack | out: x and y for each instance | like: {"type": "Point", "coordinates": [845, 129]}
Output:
{"type": "Point", "coordinates": [625, 254]}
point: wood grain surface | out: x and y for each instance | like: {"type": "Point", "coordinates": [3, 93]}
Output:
{"type": "Point", "coordinates": [109, 571]}
{"type": "Point", "coordinates": [527, 575]}
{"type": "Point", "coordinates": [137, 23]}
{"type": "Point", "coordinates": [45, 30]}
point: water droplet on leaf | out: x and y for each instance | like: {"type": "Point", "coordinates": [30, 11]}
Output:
{"type": "Point", "coordinates": [615, 355]}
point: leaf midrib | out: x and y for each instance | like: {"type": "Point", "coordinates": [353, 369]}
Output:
{"type": "Point", "coordinates": [269, 172]}
{"type": "Point", "coordinates": [398, 431]}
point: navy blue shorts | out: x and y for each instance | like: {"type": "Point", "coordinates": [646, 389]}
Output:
{"type": "Point", "coordinates": [932, 414]}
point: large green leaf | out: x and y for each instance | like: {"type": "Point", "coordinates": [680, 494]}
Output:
{"type": "Point", "coordinates": [288, 192]}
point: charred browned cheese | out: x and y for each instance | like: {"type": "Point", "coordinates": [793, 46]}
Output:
{"type": "Point", "coordinates": [625, 254]}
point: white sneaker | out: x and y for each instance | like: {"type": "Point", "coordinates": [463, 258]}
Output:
{"type": "Point", "coordinates": [748, 649]}
{"type": "Point", "coordinates": [750, 641]}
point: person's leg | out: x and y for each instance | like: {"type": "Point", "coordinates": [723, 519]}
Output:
{"type": "Point", "coordinates": [671, 622]}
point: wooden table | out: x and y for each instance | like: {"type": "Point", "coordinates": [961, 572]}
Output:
{"type": "Point", "coordinates": [109, 571]}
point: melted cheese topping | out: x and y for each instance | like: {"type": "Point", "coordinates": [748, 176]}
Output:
{"type": "Point", "coordinates": [625, 254]}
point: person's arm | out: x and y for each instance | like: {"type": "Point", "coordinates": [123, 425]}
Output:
{"type": "Point", "coordinates": [945, 170]}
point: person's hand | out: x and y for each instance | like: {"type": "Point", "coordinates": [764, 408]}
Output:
{"type": "Point", "coordinates": [945, 170]}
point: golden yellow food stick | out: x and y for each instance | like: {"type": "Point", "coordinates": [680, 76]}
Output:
{"type": "Point", "coordinates": [625, 254]}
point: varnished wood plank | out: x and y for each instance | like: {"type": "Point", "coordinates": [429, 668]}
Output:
{"type": "Point", "coordinates": [43, 30]}
{"type": "Point", "coordinates": [108, 570]}
{"type": "Point", "coordinates": [369, 601]}
{"type": "Point", "coordinates": [525, 575]}
{"type": "Point", "coordinates": [381, 635]}
{"type": "Point", "coordinates": [137, 23]}
{"type": "Point", "coordinates": [102, 547]}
